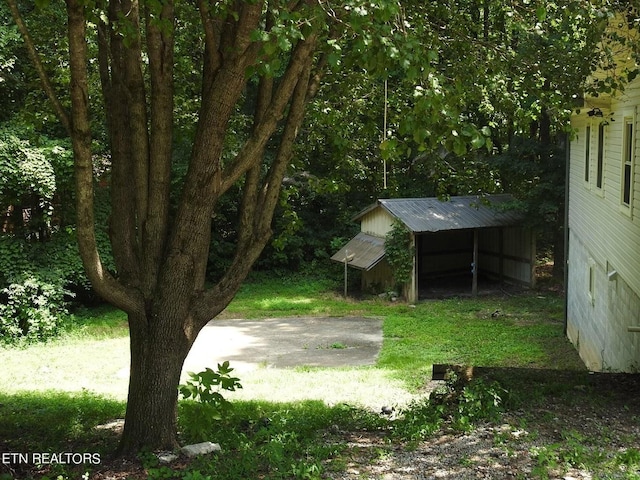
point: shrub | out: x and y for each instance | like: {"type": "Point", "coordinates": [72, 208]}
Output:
{"type": "Point", "coordinates": [460, 405]}
{"type": "Point", "coordinates": [399, 252]}
{"type": "Point", "coordinates": [32, 309]}
{"type": "Point", "coordinates": [204, 387]}
{"type": "Point", "coordinates": [37, 282]}
{"type": "Point", "coordinates": [478, 401]}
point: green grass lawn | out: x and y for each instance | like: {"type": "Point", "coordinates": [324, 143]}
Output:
{"type": "Point", "coordinates": [526, 332]}
{"type": "Point", "coordinates": [53, 395]}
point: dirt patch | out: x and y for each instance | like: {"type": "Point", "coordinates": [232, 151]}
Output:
{"type": "Point", "coordinates": [287, 342]}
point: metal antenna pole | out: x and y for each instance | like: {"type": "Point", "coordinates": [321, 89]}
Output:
{"type": "Point", "coordinates": [384, 130]}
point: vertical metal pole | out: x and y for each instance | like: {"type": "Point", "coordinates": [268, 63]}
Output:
{"type": "Point", "coordinates": [384, 131]}
{"type": "Point", "coordinates": [474, 282]}
{"type": "Point", "coordinates": [346, 259]}
{"type": "Point", "coordinates": [566, 231]}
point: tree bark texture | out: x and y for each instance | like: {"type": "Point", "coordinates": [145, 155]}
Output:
{"type": "Point", "coordinates": [161, 255]}
{"type": "Point", "coordinates": [158, 350]}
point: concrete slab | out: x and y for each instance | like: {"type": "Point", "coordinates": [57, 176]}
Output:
{"type": "Point", "coordinates": [287, 342]}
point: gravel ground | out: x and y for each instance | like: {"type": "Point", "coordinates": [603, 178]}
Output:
{"type": "Point", "coordinates": [577, 434]}
{"type": "Point", "coordinates": [488, 452]}
{"type": "Point", "coordinates": [575, 426]}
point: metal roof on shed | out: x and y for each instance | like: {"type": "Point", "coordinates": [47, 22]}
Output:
{"type": "Point", "coordinates": [363, 252]}
{"type": "Point", "coordinates": [422, 215]}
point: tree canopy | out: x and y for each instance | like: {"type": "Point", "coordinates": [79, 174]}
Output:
{"type": "Point", "coordinates": [186, 114]}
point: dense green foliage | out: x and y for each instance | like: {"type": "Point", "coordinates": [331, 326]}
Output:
{"type": "Point", "coordinates": [39, 261]}
{"type": "Point", "coordinates": [41, 272]}
{"type": "Point", "coordinates": [31, 310]}
{"type": "Point", "coordinates": [455, 97]}
{"type": "Point", "coordinates": [399, 252]}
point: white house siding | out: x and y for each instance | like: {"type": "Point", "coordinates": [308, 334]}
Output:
{"type": "Point", "coordinates": [599, 316]}
{"type": "Point", "coordinates": [604, 243]}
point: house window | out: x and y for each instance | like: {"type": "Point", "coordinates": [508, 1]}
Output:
{"type": "Point", "coordinates": [587, 152]}
{"type": "Point", "coordinates": [600, 160]}
{"type": "Point", "coordinates": [627, 162]}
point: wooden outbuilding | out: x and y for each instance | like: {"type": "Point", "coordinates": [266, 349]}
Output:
{"type": "Point", "coordinates": [466, 236]}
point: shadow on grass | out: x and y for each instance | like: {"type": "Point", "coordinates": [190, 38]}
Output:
{"type": "Point", "coordinates": [291, 440]}
{"type": "Point", "coordinates": [36, 425]}
{"type": "Point", "coordinates": [529, 385]}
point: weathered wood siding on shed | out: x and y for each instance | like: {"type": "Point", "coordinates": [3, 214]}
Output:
{"type": "Point", "coordinates": [377, 222]}
{"type": "Point", "coordinates": [604, 238]}
{"type": "Point", "coordinates": [508, 254]}
{"type": "Point", "coordinates": [379, 279]}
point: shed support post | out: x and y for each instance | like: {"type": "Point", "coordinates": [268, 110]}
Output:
{"type": "Point", "coordinates": [346, 282]}
{"type": "Point", "coordinates": [502, 234]}
{"type": "Point", "coordinates": [474, 265]}
{"type": "Point", "coordinates": [532, 256]}
{"type": "Point", "coordinates": [412, 296]}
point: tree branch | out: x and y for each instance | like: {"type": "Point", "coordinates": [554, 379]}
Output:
{"type": "Point", "coordinates": [129, 11]}
{"type": "Point", "coordinates": [102, 281]}
{"type": "Point", "coordinates": [258, 205]}
{"type": "Point", "coordinates": [160, 39]}
{"type": "Point", "coordinates": [269, 120]}
{"type": "Point", "coordinates": [61, 113]}
{"type": "Point", "coordinates": [123, 238]}
{"type": "Point", "coordinates": [268, 198]}
{"type": "Point", "coordinates": [191, 234]}
{"type": "Point", "coordinates": [212, 56]}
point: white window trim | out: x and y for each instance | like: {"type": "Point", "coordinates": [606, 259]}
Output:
{"type": "Point", "coordinates": [602, 126]}
{"type": "Point", "coordinates": [587, 155]}
{"type": "Point", "coordinates": [627, 208]}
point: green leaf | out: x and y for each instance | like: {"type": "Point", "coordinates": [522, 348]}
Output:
{"type": "Point", "coordinates": [477, 141]}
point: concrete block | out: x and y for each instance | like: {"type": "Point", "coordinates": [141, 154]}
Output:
{"type": "Point", "coordinates": [203, 448]}
{"type": "Point", "coordinates": [167, 457]}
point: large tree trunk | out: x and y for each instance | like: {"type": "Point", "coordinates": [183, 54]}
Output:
{"type": "Point", "coordinates": [160, 258]}
{"type": "Point", "coordinates": [158, 351]}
